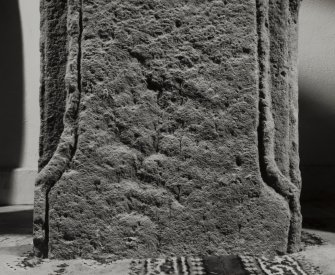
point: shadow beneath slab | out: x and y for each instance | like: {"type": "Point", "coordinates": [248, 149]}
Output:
{"type": "Point", "coordinates": [319, 215]}
{"type": "Point", "coordinates": [16, 222]}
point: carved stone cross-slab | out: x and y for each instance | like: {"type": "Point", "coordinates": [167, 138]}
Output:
{"type": "Point", "coordinates": [169, 127]}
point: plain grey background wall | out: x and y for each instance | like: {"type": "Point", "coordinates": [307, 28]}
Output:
{"type": "Point", "coordinates": [19, 107]}
{"type": "Point", "coordinates": [12, 85]}
{"type": "Point", "coordinates": [317, 98]}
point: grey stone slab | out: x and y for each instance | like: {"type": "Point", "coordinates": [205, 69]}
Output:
{"type": "Point", "coordinates": [177, 133]}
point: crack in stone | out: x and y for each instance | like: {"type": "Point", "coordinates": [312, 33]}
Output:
{"type": "Point", "coordinates": [67, 146]}
{"type": "Point", "coordinates": [270, 172]}
{"type": "Point", "coordinates": [295, 175]}
{"type": "Point", "coordinates": [79, 78]}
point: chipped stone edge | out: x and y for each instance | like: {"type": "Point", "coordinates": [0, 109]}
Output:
{"type": "Point", "coordinates": [67, 145]}
{"type": "Point", "coordinates": [271, 174]}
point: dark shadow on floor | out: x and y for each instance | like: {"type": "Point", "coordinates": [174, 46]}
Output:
{"type": "Point", "coordinates": [317, 153]}
{"type": "Point", "coordinates": [319, 215]}
{"type": "Point", "coordinates": [17, 222]}
{"type": "Point", "coordinates": [11, 86]}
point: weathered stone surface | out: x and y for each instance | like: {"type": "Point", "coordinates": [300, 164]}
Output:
{"type": "Point", "coordinates": [178, 133]}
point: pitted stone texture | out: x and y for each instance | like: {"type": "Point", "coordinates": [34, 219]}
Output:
{"type": "Point", "coordinates": [166, 157]}
{"type": "Point", "coordinates": [53, 62]}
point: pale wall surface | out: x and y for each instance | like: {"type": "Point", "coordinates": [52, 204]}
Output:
{"type": "Point", "coordinates": [317, 98]}
{"type": "Point", "coordinates": [30, 29]}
